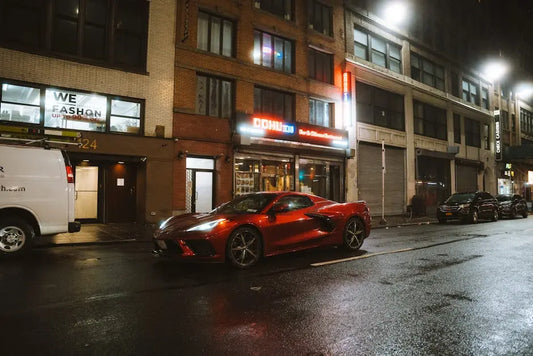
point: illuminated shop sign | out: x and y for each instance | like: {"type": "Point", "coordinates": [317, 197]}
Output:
{"type": "Point", "coordinates": [299, 132]}
{"type": "Point", "coordinates": [74, 110]}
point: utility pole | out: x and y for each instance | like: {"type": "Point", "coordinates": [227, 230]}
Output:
{"type": "Point", "coordinates": [383, 171]}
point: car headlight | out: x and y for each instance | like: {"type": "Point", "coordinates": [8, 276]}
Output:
{"type": "Point", "coordinates": [464, 206]}
{"type": "Point", "coordinates": [206, 226]}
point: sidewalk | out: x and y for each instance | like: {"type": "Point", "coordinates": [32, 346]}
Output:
{"type": "Point", "coordinates": [101, 234]}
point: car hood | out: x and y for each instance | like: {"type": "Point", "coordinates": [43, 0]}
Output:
{"type": "Point", "coordinates": [185, 221]}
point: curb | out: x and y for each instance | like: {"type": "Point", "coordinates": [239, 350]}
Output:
{"type": "Point", "coordinates": [86, 243]}
{"type": "Point", "coordinates": [386, 226]}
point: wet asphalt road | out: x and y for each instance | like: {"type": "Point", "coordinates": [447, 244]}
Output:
{"type": "Point", "coordinates": [420, 290]}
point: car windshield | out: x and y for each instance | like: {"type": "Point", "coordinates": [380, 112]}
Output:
{"type": "Point", "coordinates": [246, 204]}
{"type": "Point", "coordinates": [460, 198]}
{"type": "Point", "coordinates": [503, 197]}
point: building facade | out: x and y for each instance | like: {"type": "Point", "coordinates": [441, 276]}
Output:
{"type": "Point", "coordinates": [98, 74]}
{"type": "Point", "coordinates": [258, 101]}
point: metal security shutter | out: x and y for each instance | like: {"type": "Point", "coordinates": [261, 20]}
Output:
{"type": "Point", "coordinates": [369, 178]}
{"type": "Point", "coordinates": [465, 178]}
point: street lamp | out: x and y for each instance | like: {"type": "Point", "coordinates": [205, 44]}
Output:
{"type": "Point", "coordinates": [494, 71]}
{"type": "Point", "coordinates": [395, 13]}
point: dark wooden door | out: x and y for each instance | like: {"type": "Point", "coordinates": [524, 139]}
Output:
{"type": "Point", "coordinates": [121, 193]}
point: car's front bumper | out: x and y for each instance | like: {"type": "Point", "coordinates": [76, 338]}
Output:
{"type": "Point", "coordinates": [198, 249]}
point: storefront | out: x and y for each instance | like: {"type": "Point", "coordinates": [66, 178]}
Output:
{"type": "Point", "coordinates": [466, 175]}
{"type": "Point", "coordinates": [272, 155]}
{"type": "Point", "coordinates": [369, 178]}
{"type": "Point", "coordinates": [432, 178]}
{"type": "Point", "coordinates": [120, 174]}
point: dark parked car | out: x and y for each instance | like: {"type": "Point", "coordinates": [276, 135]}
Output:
{"type": "Point", "coordinates": [511, 205]}
{"type": "Point", "coordinates": [469, 207]}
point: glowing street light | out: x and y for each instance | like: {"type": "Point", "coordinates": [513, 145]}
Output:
{"type": "Point", "coordinates": [395, 13]}
{"type": "Point", "coordinates": [495, 70]}
{"type": "Point", "coordinates": [524, 91]}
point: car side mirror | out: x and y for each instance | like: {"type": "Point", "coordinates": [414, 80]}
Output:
{"type": "Point", "coordinates": [279, 208]}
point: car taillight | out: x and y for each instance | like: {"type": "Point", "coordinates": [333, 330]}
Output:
{"type": "Point", "coordinates": [70, 174]}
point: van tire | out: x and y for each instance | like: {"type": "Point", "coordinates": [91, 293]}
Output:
{"type": "Point", "coordinates": [16, 236]}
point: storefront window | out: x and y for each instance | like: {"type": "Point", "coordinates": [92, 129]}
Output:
{"type": "Point", "coordinates": [68, 109]}
{"type": "Point", "coordinates": [313, 178]}
{"type": "Point", "coordinates": [73, 110]}
{"type": "Point", "coordinates": [125, 116]}
{"type": "Point", "coordinates": [254, 175]}
{"type": "Point", "coordinates": [20, 104]}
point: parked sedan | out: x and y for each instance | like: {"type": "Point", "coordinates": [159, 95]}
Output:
{"type": "Point", "coordinates": [469, 207]}
{"type": "Point", "coordinates": [511, 205]}
{"type": "Point", "coordinates": [251, 226]}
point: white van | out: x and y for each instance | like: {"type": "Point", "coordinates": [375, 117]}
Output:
{"type": "Point", "coordinates": [36, 195]}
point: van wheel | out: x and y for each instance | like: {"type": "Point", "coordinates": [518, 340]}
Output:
{"type": "Point", "coordinates": [15, 236]}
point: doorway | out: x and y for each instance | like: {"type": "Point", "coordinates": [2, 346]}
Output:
{"type": "Point", "coordinates": [86, 192]}
{"type": "Point", "coordinates": [199, 184]}
{"type": "Point", "coordinates": [121, 193]}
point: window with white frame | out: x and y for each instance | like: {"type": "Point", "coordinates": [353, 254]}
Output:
{"type": "Point", "coordinates": [273, 51]}
{"type": "Point", "coordinates": [427, 72]}
{"type": "Point", "coordinates": [470, 91]}
{"type": "Point", "coordinates": [215, 34]}
{"type": "Point", "coordinates": [214, 96]}
{"type": "Point", "coordinates": [377, 50]}
{"type": "Point", "coordinates": [319, 112]}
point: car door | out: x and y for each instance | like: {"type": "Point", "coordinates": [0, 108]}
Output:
{"type": "Point", "coordinates": [291, 229]}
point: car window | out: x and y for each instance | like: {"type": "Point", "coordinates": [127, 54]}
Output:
{"type": "Point", "coordinates": [295, 202]}
{"type": "Point", "coordinates": [246, 204]}
{"type": "Point", "coordinates": [502, 197]}
{"type": "Point", "coordinates": [486, 196]}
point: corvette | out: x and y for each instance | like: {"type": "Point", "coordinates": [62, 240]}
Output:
{"type": "Point", "coordinates": [252, 226]}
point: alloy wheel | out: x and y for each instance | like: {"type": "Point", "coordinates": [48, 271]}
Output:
{"type": "Point", "coordinates": [354, 234]}
{"type": "Point", "coordinates": [244, 248]}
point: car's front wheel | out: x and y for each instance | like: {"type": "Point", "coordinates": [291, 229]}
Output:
{"type": "Point", "coordinates": [15, 236]}
{"type": "Point", "coordinates": [243, 249]}
{"type": "Point", "coordinates": [354, 234]}
{"type": "Point", "coordinates": [524, 213]}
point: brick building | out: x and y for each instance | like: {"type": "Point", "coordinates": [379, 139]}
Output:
{"type": "Point", "coordinates": [258, 101]}
{"type": "Point", "coordinates": [99, 73]}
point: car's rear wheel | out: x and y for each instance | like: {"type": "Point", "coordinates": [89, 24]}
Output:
{"type": "Point", "coordinates": [495, 215]}
{"type": "Point", "coordinates": [244, 247]}
{"type": "Point", "coordinates": [354, 234]}
{"type": "Point", "coordinates": [524, 213]}
{"type": "Point", "coordinates": [15, 236]}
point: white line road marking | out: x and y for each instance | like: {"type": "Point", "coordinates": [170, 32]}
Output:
{"type": "Point", "coordinates": [361, 257]}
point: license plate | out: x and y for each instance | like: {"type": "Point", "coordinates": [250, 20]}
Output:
{"type": "Point", "coordinates": [448, 214]}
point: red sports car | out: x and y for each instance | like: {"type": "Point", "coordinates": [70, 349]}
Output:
{"type": "Point", "coordinates": [263, 224]}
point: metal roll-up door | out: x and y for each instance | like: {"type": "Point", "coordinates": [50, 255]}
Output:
{"type": "Point", "coordinates": [369, 178]}
{"type": "Point", "coordinates": [465, 178]}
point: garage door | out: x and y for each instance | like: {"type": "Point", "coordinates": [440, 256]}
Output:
{"type": "Point", "coordinates": [369, 178]}
{"type": "Point", "coordinates": [465, 178]}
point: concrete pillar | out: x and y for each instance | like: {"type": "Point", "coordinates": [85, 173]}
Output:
{"type": "Point", "coordinates": [410, 154]}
